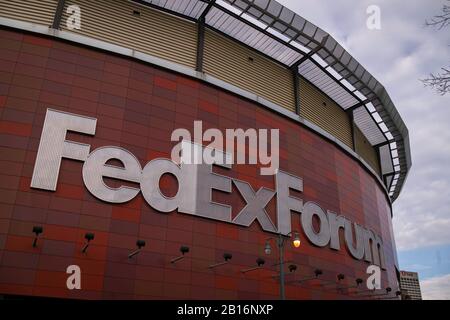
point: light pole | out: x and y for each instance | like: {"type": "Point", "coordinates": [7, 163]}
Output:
{"type": "Point", "coordinates": [280, 244]}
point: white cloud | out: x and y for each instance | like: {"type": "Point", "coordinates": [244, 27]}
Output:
{"type": "Point", "coordinates": [398, 55]}
{"type": "Point", "coordinates": [437, 288]}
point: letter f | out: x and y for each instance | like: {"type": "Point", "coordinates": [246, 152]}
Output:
{"type": "Point", "coordinates": [54, 146]}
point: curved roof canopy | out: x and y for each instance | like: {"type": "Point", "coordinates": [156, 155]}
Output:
{"type": "Point", "coordinates": [289, 39]}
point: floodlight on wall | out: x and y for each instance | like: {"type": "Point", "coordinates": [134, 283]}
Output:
{"type": "Point", "coordinates": [259, 264]}
{"type": "Point", "coordinates": [37, 230]}
{"type": "Point", "coordinates": [139, 244]}
{"type": "Point", "coordinates": [226, 257]}
{"type": "Point", "coordinates": [317, 273]}
{"type": "Point", "coordinates": [292, 268]}
{"type": "Point", "coordinates": [88, 236]}
{"type": "Point", "coordinates": [339, 277]}
{"type": "Point", "coordinates": [183, 250]}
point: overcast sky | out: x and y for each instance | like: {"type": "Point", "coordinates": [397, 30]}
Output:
{"type": "Point", "coordinates": [398, 55]}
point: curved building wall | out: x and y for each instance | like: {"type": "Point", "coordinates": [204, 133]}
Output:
{"type": "Point", "coordinates": [137, 106]}
{"type": "Point", "coordinates": [144, 29]}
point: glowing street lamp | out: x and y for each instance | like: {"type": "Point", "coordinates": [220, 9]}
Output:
{"type": "Point", "coordinates": [296, 242]}
{"type": "Point", "coordinates": [280, 243]}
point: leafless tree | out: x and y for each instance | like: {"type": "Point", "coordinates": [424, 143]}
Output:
{"type": "Point", "coordinates": [439, 81]}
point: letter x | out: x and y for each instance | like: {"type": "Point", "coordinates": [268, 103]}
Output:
{"type": "Point", "coordinates": [254, 209]}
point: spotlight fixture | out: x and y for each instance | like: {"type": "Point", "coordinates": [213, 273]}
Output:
{"type": "Point", "coordinates": [388, 290]}
{"type": "Point", "coordinates": [226, 257]}
{"type": "Point", "coordinates": [318, 272]}
{"type": "Point", "coordinates": [398, 293]}
{"type": "Point", "coordinates": [259, 262]}
{"type": "Point", "coordinates": [183, 250]}
{"type": "Point", "coordinates": [88, 236]}
{"type": "Point", "coordinates": [37, 230]}
{"type": "Point", "coordinates": [139, 244]}
{"type": "Point", "coordinates": [359, 281]}
{"type": "Point", "coordinates": [292, 268]}
{"type": "Point", "coordinates": [339, 277]}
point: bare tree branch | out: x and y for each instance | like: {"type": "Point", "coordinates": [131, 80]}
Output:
{"type": "Point", "coordinates": [440, 21]}
{"type": "Point", "coordinates": [440, 81]}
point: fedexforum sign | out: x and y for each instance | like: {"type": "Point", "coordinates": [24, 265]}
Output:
{"type": "Point", "coordinates": [195, 185]}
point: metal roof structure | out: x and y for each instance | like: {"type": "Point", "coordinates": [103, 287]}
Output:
{"type": "Point", "coordinates": [284, 36]}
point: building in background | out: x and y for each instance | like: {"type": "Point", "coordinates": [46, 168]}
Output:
{"type": "Point", "coordinates": [126, 74]}
{"type": "Point", "coordinates": [410, 285]}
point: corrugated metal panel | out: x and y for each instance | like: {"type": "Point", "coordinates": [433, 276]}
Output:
{"type": "Point", "coordinates": [329, 117]}
{"type": "Point", "coordinates": [231, 62]}
{"type": "Point", "coordinates": [365, 150]}
{"type": "Point", "coordinates": [35, 11]}
{"type": "Point", "coordinates": [151, 32]}
{"type": "Point", "coordinates": [245, 33]}
{"type": "Point", "coordinates": [190, 8]}
{"type": "Point", "coordinates": [368, 126]}
{"type": "Point", "coordinates": [327, 84]}
{"type": "Point", "coordinates": [386, 160]}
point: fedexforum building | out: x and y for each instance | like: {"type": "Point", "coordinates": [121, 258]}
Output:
{"type": "Point", "coordinates": [90, 95]}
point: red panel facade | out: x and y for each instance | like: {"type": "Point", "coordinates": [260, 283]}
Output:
{"type": "Point", "coordinates": [137, 107]}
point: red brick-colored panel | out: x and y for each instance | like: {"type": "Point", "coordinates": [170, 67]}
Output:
{"type": "Point", "coordinates": [137, 106]}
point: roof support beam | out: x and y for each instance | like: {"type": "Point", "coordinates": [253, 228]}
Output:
{"type": "Point", "coordinates": [383, 143]}
{"type": "Point", "coordinates": [296, 80]}
{"type": "Point", "coordinates": [380, 167]}
{"type": "Point", "coordinates": [206, 10]}
{"type": "Point", "coordinates": [352, 130]}
{"type": "Point", "coordinates": [201, 36]}
{"type": "Point", "coordinates": [359, 104]}
{"type": "Point", "coordinates": [310, 54]}
{"type": "Point", "coordinates": [200, 45]}
{"type": "Point", "coordinates": [58, 14]}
